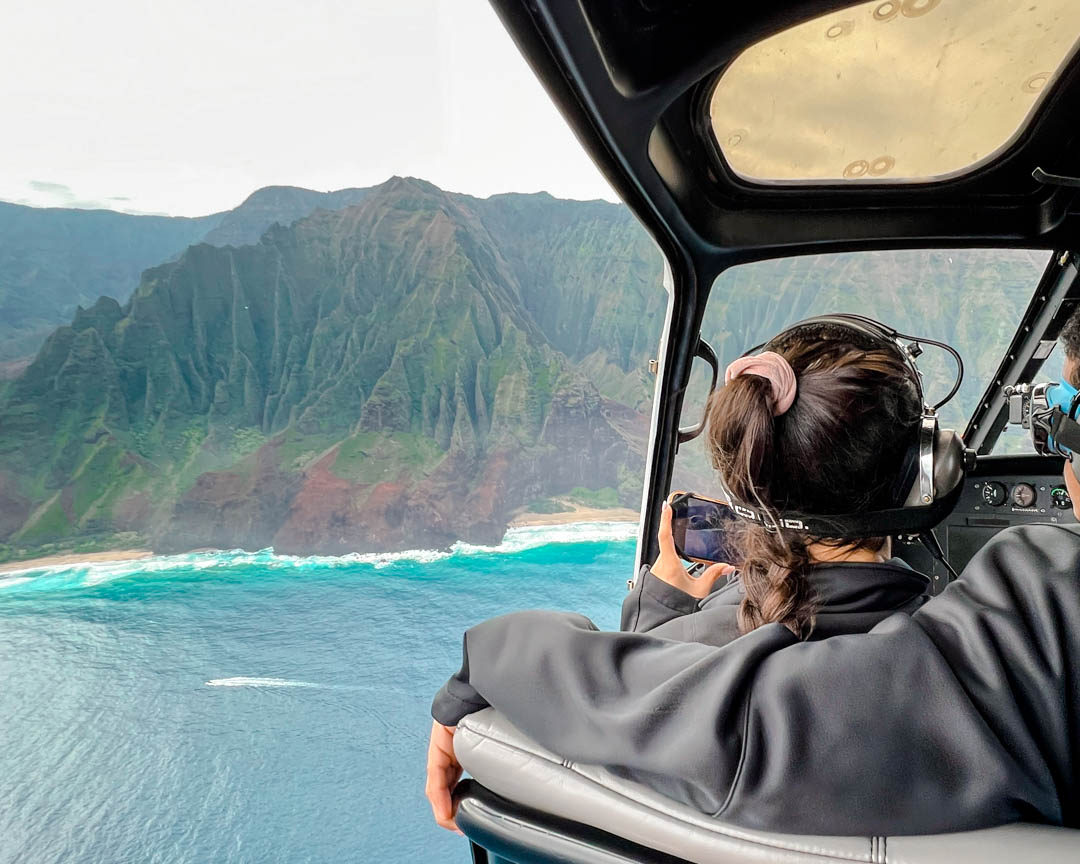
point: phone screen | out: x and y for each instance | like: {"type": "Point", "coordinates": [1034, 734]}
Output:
{"type": "Point", "coordinates": [699, 527]}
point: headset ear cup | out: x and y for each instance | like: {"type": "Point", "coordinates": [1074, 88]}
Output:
{"type": "Point", "coordinates": [950, 465]}
{"type": "Point", "coordinates": [905, 490]}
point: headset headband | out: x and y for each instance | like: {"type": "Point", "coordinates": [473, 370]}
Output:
{"type": "Point", "coordinates": [931, 472]}
{"type": "Point", "coordinates": [885, 336]}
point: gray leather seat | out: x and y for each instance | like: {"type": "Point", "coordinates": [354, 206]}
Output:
{"type": "Point", "coordinates": [507, 763]}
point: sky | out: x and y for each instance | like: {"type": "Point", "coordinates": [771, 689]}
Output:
{"type": "Point", "coordinates": [186, 108]}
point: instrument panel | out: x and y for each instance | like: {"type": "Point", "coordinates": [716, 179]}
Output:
{"type": "Point", "coordinates": [999, 492]}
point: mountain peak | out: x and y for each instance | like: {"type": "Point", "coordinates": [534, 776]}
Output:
{"type": "Point", "coordinates": [397, 182]}
{"type": "Point", "coordinates": [282, 205]}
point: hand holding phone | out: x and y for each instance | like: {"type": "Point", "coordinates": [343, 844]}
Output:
{"type": "Point", "coordinates": [669, 568]}
{"type": "Point", "coordinates": [699, 527]}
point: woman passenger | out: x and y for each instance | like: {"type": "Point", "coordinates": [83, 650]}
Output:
{"type": "Point", "coordinates": [819, 424]}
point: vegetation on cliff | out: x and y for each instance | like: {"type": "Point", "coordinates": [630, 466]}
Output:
{"type": "Point", "coordinates": [369, 378]}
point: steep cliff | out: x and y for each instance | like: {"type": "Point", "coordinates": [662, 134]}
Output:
{"type": "Point", "coordinates": [367, 378]}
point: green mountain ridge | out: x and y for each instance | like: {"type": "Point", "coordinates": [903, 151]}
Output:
{"type": "Point", "coordinates": [53, 259]}
{"type": "Point", "coordinates": [309, 391]}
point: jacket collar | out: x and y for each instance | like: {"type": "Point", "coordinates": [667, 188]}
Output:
{"type": "Point", "coordinates": [850, 587]}
{"type": "Point", "coordinates": [855, 586]}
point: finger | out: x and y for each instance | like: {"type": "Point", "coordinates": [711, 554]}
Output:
{"type": "Point", "coordinates": [443, 805]}
{"type": "Point", "coordinates": [442, 777]}
{"type": "Point", "coordinates": [663, 535]}
{"type": "Point", "coordinates": [449, 825]}
{"type": "Point", "coordinates": [438, 795]}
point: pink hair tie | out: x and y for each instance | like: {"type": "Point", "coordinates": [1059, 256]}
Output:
{"type": "Point", "coordinates": [769, 365]}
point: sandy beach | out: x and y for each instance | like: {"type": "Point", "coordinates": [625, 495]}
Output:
{"type": "Point", "coordinates": [523, 519]}
{"type": "Point", "coordinates": [76, 558]}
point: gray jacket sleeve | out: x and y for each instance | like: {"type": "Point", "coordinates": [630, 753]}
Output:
{"type": "Point", "coordinates": [665, 711]}
{"type": "Point", "coordinates": [962, 716]}
{"type": "Point", "coordinates": [652, 602]}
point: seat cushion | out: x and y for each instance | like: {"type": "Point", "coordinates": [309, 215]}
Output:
{"type": "Point", "coordinates": [505, 761]}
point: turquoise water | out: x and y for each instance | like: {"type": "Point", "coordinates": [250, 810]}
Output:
{"type": "Point", "coordinates": [227, 707]}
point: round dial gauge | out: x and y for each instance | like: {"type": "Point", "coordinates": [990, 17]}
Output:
{"type": "Point", "coordinates": [1023, 495]}
{"type": "Point", "coordinates": [994, 493]}
{"type": "Point", "coordinates": [1059, 497]}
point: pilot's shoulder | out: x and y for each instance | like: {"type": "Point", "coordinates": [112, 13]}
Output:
{"type": "Point", "coordinates": [1030, 569]}
{"type": "Point", "coordinates": [1042, 550]}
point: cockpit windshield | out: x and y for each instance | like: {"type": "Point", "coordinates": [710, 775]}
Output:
{"type": "Point", "coordinates": [969, 298]}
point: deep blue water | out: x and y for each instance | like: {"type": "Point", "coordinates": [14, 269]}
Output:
{"type": "Point", "coordinates": [226, 707]}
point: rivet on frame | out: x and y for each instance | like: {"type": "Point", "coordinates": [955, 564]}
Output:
{"type": "Point", "coordinates": [917, 8]}
{"type": "Point", "coordinates": [887, 11]}
{"type": "Point", "coordinates": [858, 168]}
{"type": "Point", "coordinates": [881, 165]}
{"type": "Point", "coordinates": [840, 28]}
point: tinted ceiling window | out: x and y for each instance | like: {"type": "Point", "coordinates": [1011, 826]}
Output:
{"type": "Point", "coordinates": [891, 90]}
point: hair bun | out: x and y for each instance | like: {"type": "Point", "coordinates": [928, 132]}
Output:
{"type": "Point", "coordinates": [773, 367]}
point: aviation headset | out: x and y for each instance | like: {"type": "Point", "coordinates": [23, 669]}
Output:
{"type": "Point", "coordinates": [933, 468]}
{"type": "Point", "coordinates": [1051, 410]}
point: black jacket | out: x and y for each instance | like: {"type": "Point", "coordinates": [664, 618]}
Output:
{"type": "Point", "coordinates": [964, 715]}
{"type": "Point", "coordinates": [852, 598]}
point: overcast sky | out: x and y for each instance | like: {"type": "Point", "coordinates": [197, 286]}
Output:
{"type": "Point", "coordinates": [186, 108]}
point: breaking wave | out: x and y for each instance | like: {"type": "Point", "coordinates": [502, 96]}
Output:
{"type": "Point", "coordinates": [516, 540]}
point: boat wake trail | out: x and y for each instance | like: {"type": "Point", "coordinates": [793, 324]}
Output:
{"type": "Point", "coordinates": [243, 681]}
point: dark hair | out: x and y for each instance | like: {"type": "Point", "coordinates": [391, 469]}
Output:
{"type": "Point", "coordinates": [838, 449]}
{"type": "Point", "coordinates": [1070, 341]}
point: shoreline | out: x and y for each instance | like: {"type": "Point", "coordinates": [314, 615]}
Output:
{"type": "Point", "coordinates": [520, 519]}
{"type": "Point", "coordinates": [112, 556]}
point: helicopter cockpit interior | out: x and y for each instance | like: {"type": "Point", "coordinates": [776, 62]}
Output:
{"type": "Point", "coordinates": [915, 161]}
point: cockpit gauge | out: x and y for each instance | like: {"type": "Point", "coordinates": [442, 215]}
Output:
{"type": "Point", "coordinates": [1023, 495]}
{"type": "Point", "coordinates": [994, 493]}
{"type": "Point", "coordinates": [1059, 498]}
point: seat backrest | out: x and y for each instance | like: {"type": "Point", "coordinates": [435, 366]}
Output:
{"type": "Point", "coordinates": [509, 764]}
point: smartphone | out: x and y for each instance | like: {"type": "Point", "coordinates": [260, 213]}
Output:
{"type": "Point", "coordinates": [700, 526]}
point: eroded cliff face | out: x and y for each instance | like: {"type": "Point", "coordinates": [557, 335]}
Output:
{"type": "Point", "coordinates": [371, 378]}
{"type": "Point", "coordinates": [468, 494]}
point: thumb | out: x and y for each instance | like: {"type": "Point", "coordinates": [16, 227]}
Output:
{"type": "Point", "coordinates": [717, 571]}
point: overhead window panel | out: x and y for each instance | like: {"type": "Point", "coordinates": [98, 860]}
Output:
{"type": "Point", "coordinates": [891, 91]}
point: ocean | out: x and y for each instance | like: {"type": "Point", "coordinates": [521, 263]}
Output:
{"type": "Point", "coordinates": [249, 707]}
